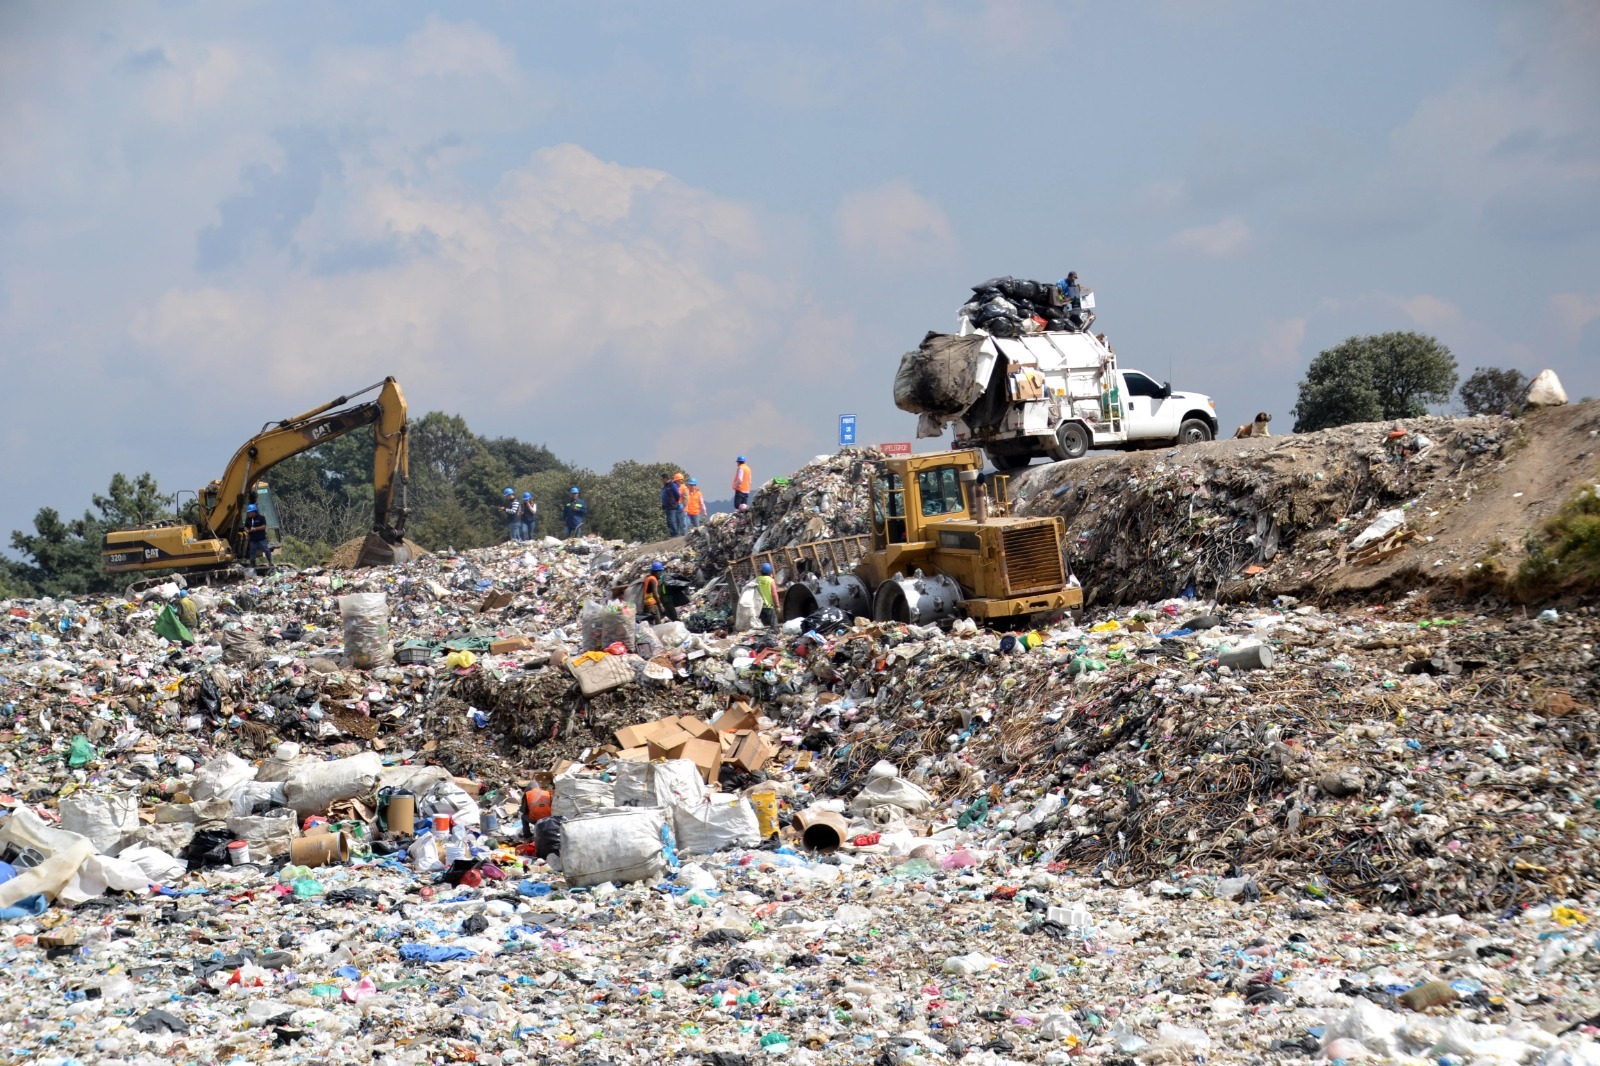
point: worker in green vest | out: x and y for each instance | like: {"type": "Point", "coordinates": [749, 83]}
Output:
{"type": "Point", "coordinates": [767, 586]}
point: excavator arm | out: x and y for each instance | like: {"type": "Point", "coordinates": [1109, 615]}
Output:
{"type": "Point", "coordinates": [223, 502]}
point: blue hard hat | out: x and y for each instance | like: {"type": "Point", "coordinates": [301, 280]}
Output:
{"type": "Point", "coordinates": [766, 568]}
{"type": "Point", "coordinates": [527, 495]}
{"type": "Point", "coordinates": [574, 490]}
{"type": "Point", "coordinates": [508, 492]}
{"type": "Point", "coordinates": [250, 507]}
{"type": "Point", "coordinates": [657, 566]}
{"type": "Point", "coordinates": [740, 459]}
{"type": "Point", "coordinates": [183, 594]}
{"type": "Point", "coordinates": [692, 481]}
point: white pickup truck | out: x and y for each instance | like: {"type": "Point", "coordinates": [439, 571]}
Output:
{"type": "Point", "coordinates": [1055, 395]}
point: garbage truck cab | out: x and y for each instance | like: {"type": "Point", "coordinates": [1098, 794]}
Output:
{"type": "Point", "coordinates": [942, 546]}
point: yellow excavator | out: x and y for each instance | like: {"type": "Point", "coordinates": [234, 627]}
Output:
{"type": "Point", "coordinates": [210, 547]}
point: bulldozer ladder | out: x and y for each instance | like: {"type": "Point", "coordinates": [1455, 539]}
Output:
{"type": "Point", "coordinates": [821, 557]}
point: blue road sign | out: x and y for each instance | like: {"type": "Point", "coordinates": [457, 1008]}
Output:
{"type": "Point", "coordinates": [847, 430]}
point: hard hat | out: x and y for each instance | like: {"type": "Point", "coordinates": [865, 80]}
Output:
{"type": "Point", "coordinates": [527, 495]}
{"type": "Point", "coordinates": [250, 507]}
{"type": "Point", "coordinates": [678, 476]}
{"type": "Point", "coordinates": [766, 568]}
{"type": "Point", "coordinates": [183, 594]}
{"type": "Point", "coordinates": [657, 566]}
{"type": "Point", "coordinates": [574, 490]}
{"type": "Point", "coordinates": [740, 459]}
{"type": "Point", "coordinates": [508, 492]}
{"type": "Point", "coordinates": [692, 481]}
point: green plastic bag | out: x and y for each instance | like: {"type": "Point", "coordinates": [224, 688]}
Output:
{"type": "Point", "coordinates": [82, 751]}
{"type": "Point", "coordinates": [168, 625]}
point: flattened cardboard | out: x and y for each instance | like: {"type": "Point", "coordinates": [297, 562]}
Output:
{"type": "Point", "coordinates": [507, 645]}
{"type": "Point", "coordinates": [705, 754]}
{"type": "Point", "coordinates": [735, 718]}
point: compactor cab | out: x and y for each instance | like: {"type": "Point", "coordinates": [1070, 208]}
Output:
{"type": "Point", "coordinates": [942, 546]}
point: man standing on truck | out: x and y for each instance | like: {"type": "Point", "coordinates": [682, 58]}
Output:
{"type": "Point", "coordinates": [767, 586]}
{"type": "Point", "coordinates": [255, 527]}
{"type": "Point", "coordinates": [694, 504]}
{"type": "Point", "coordinates": [573, 513]}
{"type": "Point", "coordinates": [741, 485]}
{"type": "Point", "coordinates": [671, 504]}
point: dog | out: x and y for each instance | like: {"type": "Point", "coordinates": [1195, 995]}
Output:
{"type": "Point", "coordinates": [1258, 428]}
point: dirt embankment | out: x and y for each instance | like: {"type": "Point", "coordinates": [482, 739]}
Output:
{"type": "Point", "coordinates": [1282, 515]}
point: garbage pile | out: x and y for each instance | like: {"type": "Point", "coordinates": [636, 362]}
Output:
{"type": "Point", "coordinates": [1271, 516]}
{"type": "Point", "coordinates": [828, 497]}
{"type": "Point", "coordinates": [476, 809]}
{"type": "Point", "coordinates": [1009, 307]}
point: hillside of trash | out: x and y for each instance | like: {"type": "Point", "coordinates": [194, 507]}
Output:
{"type": "Point", "coordinates": [476, 809]}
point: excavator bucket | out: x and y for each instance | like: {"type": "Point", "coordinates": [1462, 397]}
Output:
{"type": "Point", "coordinates": [378, 551]}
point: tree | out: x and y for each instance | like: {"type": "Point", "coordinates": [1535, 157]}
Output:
{"type": "Point", "coordinates": [1491, 391]}
{"type": "Point", "coordinates": [520, 457]}
{"type": "Point", "coordinates": [62, 557]}
{"type": "Point", "coordinates": [625, 504]}
{"type": "Point", "coordinates": [1366, 379]}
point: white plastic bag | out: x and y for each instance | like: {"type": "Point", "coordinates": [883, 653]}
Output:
{"type": "Point", "coordinates": [715, 824]}
{"type": "Point", "coordinates": [104, 818]}
{"type": "Point", "coordinates": [1386, 523]}
{"type": "Point", "coordinates": [366, 629]}
{"type": "Point", "coordinates": [886, 788]}
{"type": "Point", "coordinates": [619, 846]}
{"type": "Point", "coordinates": [220, 776]}
{"type": "Point", "coordinates": [315, 786]}
{"type": "Point", "coordinates": [748, 614]}
{"type": "Point", "coordinates": [47, 859]}
{"type": "Point", "coordinates": [269, 834]}
{"type": "Point", "coordinates": [576, 794]}
{"type": "Point", "coordinates": [670, 783]}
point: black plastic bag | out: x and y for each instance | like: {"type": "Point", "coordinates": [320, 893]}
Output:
{"type": "Point", "coordinates": [208, 848]}
{"type": "Point", "coordinates": [547, 836]}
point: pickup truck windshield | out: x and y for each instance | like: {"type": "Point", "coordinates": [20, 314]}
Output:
{"type": "Point", "coordinates": [1139, 385]}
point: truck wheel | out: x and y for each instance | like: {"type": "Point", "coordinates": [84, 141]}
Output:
{"type": "Point", "coordinates": [1007, 463]}
{"type": "Point", "coordinates": [1194, 431]}
{"type": "Point", "coordinates": [1072, 441]}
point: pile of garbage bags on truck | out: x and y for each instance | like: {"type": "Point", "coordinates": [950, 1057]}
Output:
{"type": "Point", "coordinates": [1009, 307]}
{"type": "Point", "coordinates": [475, 809]}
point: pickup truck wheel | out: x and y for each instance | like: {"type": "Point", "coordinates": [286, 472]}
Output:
{"type": "Point", "coordinates": [1072, 441]}
{"type": "Point", "coordinates": [1007, 463]}
{"type": "Point", "coordinates": [1194, 431]}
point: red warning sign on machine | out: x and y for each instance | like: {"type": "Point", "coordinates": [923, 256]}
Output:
{"type": "Point", "coordinates": [899, 447]}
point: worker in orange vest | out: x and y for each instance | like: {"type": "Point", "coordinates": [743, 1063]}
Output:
{"type": "Point", "coordinates": [655, 595]}
{"type": "Point", "coordinates": [694, 504]}
{"type": "Point", "coordinates": [741, 485]}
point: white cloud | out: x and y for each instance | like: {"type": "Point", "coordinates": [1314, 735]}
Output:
{"type": "Point", "coordinates": [1431, 312]}
{"type": "Point", "coordinates": [1573, 311]}
{"type": "Point", "coordinates": [576, 273]}
{"type": "Point", "coordinates": [1280, 344]}
{"type": "Point", "coordinates": [1216, 240]}
{"type": "Point", "coordinates": [893, 222]}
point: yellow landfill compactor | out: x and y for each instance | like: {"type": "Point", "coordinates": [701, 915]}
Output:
{"type": "Point", "coordinates": [212, 545]}
{"type": "Point", "coordinates": [940, 547]}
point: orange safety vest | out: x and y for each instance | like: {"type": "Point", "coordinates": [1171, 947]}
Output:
{"type": "Point", "coordinates": [652, 589]}
{"type": "Point", "coordinates": [741, 478]}
{"type": "Point", "coordinates": [693, 502]}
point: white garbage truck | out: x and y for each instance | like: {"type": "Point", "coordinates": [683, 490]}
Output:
{"type": "Point", "coordinates": [1053, 395]}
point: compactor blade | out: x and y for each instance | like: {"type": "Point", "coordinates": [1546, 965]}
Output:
{"type": "Point", "coordinates": [375, 551]}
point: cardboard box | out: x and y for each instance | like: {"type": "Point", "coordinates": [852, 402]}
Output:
{"type": "Point", "coordinates": [507, 645]}
{"type": "Point", "coordinates": [496, 600]}
{"type": "Point", "coordinates": [634, 754]}
{"type": "Point", "coordinates": [754, 752]}
{"type": "Point", "coordinates": [735, 718]}
{"type": "Point", "coordinates": [697, 727]}
{"type": "Point", "coordinates": [706, 754]}
{"type": "Point", "coordinates": [669, 745]}
{"type": "Point", "coordinates": [635, 736]}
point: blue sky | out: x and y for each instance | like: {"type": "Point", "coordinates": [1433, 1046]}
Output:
{"type": "Point", "coordinates": [700, 230]}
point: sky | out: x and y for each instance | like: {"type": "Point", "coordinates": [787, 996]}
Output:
{"type": "Point", "coordinates": [685, 232]}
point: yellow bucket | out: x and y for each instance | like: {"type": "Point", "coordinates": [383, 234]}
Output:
{"type": "Point", "coordinates": [766, 805]}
